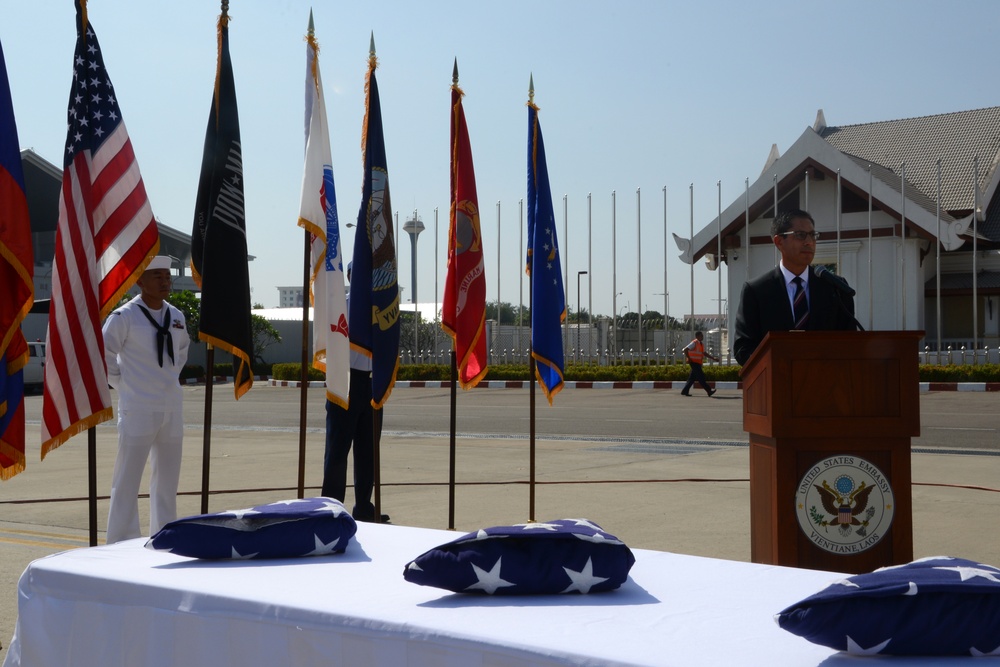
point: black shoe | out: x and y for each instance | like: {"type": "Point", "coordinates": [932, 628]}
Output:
{"type": "Point", "coordinates": [684, 393]}
{"type": "Point", "coordinates": [369, 518]}
{"type": "Point", "coordinates": [711, 392]}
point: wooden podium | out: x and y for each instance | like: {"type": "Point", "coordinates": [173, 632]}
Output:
{"type": "Point", "coordinates": [830, 416]}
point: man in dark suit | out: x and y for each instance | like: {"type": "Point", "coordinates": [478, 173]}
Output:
{"type": "Point", "coordinates": [791, 296]}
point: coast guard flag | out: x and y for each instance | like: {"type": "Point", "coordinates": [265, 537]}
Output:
{"type": "Point", "coordinates": [548, 303]}
{"type": "Point", "coordinates": [374, 317]}
{"type": "Point", "coordinates": [105, 238]}
{"type": "Point", "coordinates": [219, 239]}
{"type": "Point", "coordinates": [463, 314]}
{"type": "Point", "coordinates": [17, 264]}
{"type": "Point", "coordinates": [318, 215]}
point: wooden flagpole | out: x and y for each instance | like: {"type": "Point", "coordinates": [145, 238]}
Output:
{"type": "Point", "coordinates": [451, 440]}
{"type": "Point", "coordinates": [304, 375]}
{"type": "Point", "coordinates": [206, 449]}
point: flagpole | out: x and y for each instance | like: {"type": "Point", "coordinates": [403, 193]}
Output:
{"type": "Point", "coordinates": [531, 367]}
{"type": "Point", "coordinates": [206, 450]}
{"type": "Point", "coordinates": [304, 371]}
{"type": "Point", "coordinates": [452, 426]}
{"type": "Point", "coordinates": [377, 416]}
{"type": "Point", "coordinates": [92, 482]}
{"type": "Point", "coordinates": [453, 275]}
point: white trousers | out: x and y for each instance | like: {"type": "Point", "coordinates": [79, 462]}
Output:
{"type": "Point", "coordinates": [159, 437]}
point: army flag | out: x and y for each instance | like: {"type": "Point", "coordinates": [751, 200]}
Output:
{"type": "Point", "coordinates": [219, 262]}
{"type": "Point", "coordinates": [318, 215]}
{"type": "Point", "coordinates": [463, 314]}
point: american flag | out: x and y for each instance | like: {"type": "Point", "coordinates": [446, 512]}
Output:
{"type": "Point", "coordinates": [932, 606]}
{"type": "Point", "coordinates": [106, 235]}
{"type": "Point", "coordinates": [283, 529]}
{"type": "Point", "coordinates": [318, 214]}
{"type": "Point", "coordinates": [548, 557]}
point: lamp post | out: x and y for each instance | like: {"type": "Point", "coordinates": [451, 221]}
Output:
{"type": "Point", "coordinates": [413, 227]}
{"type": "Point", "coordinates": [577, 348]}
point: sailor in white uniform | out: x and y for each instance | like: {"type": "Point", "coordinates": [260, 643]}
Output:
{"type": "Point", "coordinates": [145, 347]}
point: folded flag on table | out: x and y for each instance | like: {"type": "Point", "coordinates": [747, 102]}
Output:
{"type": "Point", "coordinates": [285, 529]}
{"type": "Point", "coordinates": [932, 606]}
{"type": "Point", "coordinates": [561, 556]}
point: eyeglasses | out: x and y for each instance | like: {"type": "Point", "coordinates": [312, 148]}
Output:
{"type": "Point", "coordinates": [802, 236]}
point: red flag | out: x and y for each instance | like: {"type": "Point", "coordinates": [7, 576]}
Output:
{"type": "Point", "coordinates": [16, 267]}
{"type": "Point", "coordinates": [463, 314]}
{"type": "Point", "coordinates": [105, 237]}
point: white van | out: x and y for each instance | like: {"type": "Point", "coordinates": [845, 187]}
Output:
{"type": "Point", "coordinates": [34, 370]}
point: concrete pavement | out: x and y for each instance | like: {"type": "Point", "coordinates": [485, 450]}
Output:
{"type": "Point", "coordinates": [676, 479]}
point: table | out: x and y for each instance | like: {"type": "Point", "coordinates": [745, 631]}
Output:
{"type": "Point", "coordinates": [126, 605]}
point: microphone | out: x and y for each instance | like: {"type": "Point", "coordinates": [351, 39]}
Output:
{"type": "Point", "coordinates": [833, 280]}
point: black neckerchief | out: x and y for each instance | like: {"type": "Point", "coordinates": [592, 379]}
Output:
{"type": "Point", "coordinates": [162, 333]}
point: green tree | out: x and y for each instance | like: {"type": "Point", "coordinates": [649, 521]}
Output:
{"type": "Point", "coordinates": [263, 334]}
{"type": "Point", "coordinates": [189, 304]}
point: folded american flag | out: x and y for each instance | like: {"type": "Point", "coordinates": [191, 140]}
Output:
{"type": "Point", "coordinates": [284, 529]}
{"type": "Point", "coordinates": [562, 556]}
{"type": "Point", "coordinates": [932, 606]}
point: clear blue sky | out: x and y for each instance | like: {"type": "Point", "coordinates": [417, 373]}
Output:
{"type": "Point", "coordinates": [633, 95]}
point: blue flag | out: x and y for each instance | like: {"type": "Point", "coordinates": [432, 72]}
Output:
{"type": "Point", "coordinates": [374, 303]}
{"type": "Point", "coordinates": [16, 269]}
{"type": "Point", "coordinates": [548, 302]}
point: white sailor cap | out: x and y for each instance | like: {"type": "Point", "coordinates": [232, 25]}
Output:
{"type": "Point", "coordinates": [159, 262]}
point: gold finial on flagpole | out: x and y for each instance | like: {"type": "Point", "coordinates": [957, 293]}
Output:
{"type": "Point", "coordinates": [531, 89]}
{"type": "Point", "coordinates": [454, 73]}
{"type": "Point", "coordinates": [312, 30]}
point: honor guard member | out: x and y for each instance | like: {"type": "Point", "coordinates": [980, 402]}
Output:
{"type": "Point", "coordinates": [145, 347]}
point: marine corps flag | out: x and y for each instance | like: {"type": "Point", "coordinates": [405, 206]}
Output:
{"type": "Point", "coordinates": [548, 303]}
{"type": "Point", "coordinates": [463, 314]}
{"type": "Point", "coordinates": [17, 264]}
{"type": "Point", "coordinates": [219, 239]}
{"type": "Point", "coordinates": [374, 316]}
{"type": "Point", "coordinates": [318, 214]}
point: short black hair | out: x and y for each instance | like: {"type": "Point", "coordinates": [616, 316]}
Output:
{"type": "Point", "coordinates": [783, 222]}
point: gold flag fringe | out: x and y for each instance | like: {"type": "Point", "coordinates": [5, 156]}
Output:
{"type": "Point", "coordinates": [79, 427]}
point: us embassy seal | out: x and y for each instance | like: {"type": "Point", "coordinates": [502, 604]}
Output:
{"type": "Point", "coordinates": [844, 504]}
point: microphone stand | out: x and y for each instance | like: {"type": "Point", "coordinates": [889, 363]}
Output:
{"type": "Point", "coordinates": [847, 311]}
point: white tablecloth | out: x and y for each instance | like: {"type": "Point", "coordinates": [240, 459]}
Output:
{"type": "Point", "coordinates": [126, 605]}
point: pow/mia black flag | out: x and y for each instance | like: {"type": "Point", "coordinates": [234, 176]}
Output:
{"type": "Point", "coordinates": [219, 241]}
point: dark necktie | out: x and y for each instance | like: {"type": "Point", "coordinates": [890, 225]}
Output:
{"type": "Point", "coordinates": [162, 334]}
{"type": "Point", "coordinates": [800, 307]}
